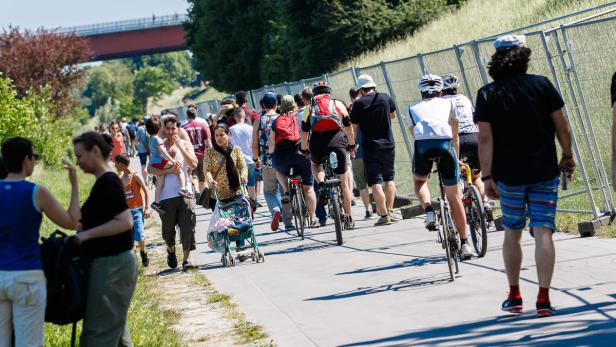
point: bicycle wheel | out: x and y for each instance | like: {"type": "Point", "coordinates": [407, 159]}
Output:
{"type": "Point", "coordinates": [443, 230]}
{"type": "Point", "coordinates": [454, 241]}
{"type": "Point", "coordinates": [337, 216]}
{"type": "Point", "coordinates": [298, 213]}
{"type": "Point", "coordinates": [477, 222]}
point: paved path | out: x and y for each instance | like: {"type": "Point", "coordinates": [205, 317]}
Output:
{"type": "Point", "coordinates": [389, 286]}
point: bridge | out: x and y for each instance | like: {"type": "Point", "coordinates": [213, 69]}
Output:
{"type": "Point", "coordinates": [123, 39]}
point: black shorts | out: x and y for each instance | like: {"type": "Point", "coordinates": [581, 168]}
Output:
{"type": "Point", "coordinates": [469, 150]}
{"type": "Point", "coordinates": [379, 165]}
{"type": "Point", "coordinates": [429, 151]}
{"type": "Point", "coordinates": [285, 159]}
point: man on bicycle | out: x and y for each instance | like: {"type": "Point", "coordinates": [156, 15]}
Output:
{"type": "Point", "coordinates": [327, 122]}
{"type": "Point", "coordinates": [468, 133]}
{"type": "Point", "coordinates": [434, 126]}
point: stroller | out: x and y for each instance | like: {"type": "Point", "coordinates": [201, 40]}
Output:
{"type": "Point", "coordinates": [238, 210]}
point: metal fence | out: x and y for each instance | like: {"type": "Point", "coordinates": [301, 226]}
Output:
{"type": "Point", "coordinates": [579, 58]}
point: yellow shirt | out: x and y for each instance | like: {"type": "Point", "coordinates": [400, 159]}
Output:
{"type": "Point", "coordinates": [214, 161]}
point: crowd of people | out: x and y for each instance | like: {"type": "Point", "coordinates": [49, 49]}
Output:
{"type": "Point", "coordinates": [238, 146]}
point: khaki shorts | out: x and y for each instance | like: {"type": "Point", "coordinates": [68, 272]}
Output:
{"type": "Point", "coordinates": [198, 172]}
{"type": "Point", "coordinates": [359, 173]}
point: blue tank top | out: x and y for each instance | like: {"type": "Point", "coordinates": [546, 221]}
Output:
{"type": "Point", "coordinates": [20, 222]}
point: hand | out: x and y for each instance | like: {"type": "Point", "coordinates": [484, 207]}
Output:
{"type": "Point", "coordinates": [176, 169]}
{"type": "Point", "coordinates": [72, 173]}
{"type": "Point", "coordinates": [244, 179]}
{"type": "Point", "coordinates": [146, 212]}
{"type": "Point", "coordinates": [213, 185]}
{"type": "Point", "coordinates": [176, 139]}
{"type": "Point", "coordinates": [80, 238]}
{"type": "Point", "coordinates": [258, 164]}
{"type": "Point", "coordinates": [568, 164]}
{"type": "Point", "coordinates": [491, 189]}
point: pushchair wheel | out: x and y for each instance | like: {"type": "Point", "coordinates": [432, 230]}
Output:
{"type": "Point", "coordinates": [231, 260]}
{"type": "Point", "coordinates": [261, 256]}
{"type": "Point", "coordinates": [224, 260]}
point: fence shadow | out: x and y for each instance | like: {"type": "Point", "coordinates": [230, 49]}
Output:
{"type": "Point", "coordinates": [572, 331]}
{"type": "Point", "coordinates": [415, 262]}
{"type": "Point", "coordinates": [411, 283]}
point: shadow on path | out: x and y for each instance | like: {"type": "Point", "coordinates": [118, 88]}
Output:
{"type": "Point", "coordinates": [551, 331]}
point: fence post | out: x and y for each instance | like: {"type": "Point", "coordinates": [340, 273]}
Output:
{"type": "Point", "coordinates": [252, 100]}
{"type": "Point", "coordinates": [400, 115]}
{"type": "Point", "coordinates": [603, 178]}
{"type": "Point", "coordinates": [354, 74]}
{"type": "Point", "coordinates": [422, 64]}
{"type": "Point", "coordinates": [576, 149]}
{"type": "Point", "coordinates": [288, 86]}
{"type": "Point", "coordinates": [480, 66]}
{"type": "Point", "coordinates": [326, 78]}
{"type": "Point", "coordinates": [458, 52]}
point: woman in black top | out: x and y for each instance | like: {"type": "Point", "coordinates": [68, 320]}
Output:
{"type": "Point", "coordinates": [106, 234]}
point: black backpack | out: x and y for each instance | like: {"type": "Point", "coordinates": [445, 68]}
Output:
{"type": "Point", "coordinates": [66, 268]}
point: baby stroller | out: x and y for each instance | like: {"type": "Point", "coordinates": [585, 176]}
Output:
{"type": "Point", "coordinates": [239, 211]}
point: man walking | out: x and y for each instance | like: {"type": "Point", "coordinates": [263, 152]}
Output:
{"type": "Point", "coordinates": [200, 137]}
{"type": "Point", "coordinates": [372, 114]}
{"type": "Point", "coordinates": [532, 102]}
{"type": "Point", "coordinates": [241, 136]}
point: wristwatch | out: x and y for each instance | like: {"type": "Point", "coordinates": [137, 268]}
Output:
{"type": "Point", "coordinates": [486, 178]}
{"type": "Point", "coordinates": [567, 156]}
{"type": "Point", "coordinates": [255, 159]}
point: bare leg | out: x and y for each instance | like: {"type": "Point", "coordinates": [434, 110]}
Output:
{"type": "Point", "coordinates": [160, 183]}
{"type": "Point", "coordinates": [390, 194]}
{"type": "Point", "coordinates": [477, 182]}
{"type": "Point", "coordinates": [379, 199]}
{"type": "Point", "coordinates": [283, 180]}
{"type": "Point", "coordinates": [144, 173]}
{"type": "Point", "coordinates": [185, 254]}
{"type": "Point", "coordinates": [347, 193]}
{"type": "Point", "coordinates": [421, 191]}
{"type": "Point", "coordinates": [365, 198]}
{"type": "Point", "coordinates": [454, 196]}
{"type": "Point", "coordinates": [252, 193]}
{"type": "Point", "coordinates": [512, 255]}
{"type": "Point", "coordinates": [311, 201]}
{"type": "Point", "coordinates": [318, 172]}
{"type": "Point", "coordinates": [544, 255]}
{"type": "Point", "coordinates": [142, 246]}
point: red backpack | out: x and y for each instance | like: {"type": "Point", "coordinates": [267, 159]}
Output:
{"type": "Point", "coordinates": [286, 129]}
{"type": "Point", "coordinates": [324, 114]}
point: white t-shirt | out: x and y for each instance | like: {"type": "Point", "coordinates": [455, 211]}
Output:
{"type": "Point", "coordinates": [464, 113]}
{"type": "Point", "coordinates": [172, 182]}
{"type": "Point", "coordinates": [431, 119]}
{"type": "Point", "coordinates": [241, 136]}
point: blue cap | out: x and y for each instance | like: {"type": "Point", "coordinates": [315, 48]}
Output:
{"type": "Point", "coordinates": [269, 99]}
{"type": "Point", "coordinates": [510, 41]}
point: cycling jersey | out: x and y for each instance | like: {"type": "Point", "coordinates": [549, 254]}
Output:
{"type": "Point", "coordinates": [431, 119]}
{"type": "Point", "coordinates": [464, 113]}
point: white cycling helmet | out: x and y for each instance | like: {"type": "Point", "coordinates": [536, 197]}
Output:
{"type": "Point", "coordinates": [449, 81]}
{"type": "Point", "coordinates": [430, 83]}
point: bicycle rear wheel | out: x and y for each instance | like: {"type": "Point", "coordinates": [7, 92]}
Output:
{"type": "Point", "coordinates": [443, 229]}
{"type": "Point", "coordinates": [337, 216]}
{"type": "Point", "coordinates": [477, 222]}
{"type": "Point", "coordinates": [298, 212]}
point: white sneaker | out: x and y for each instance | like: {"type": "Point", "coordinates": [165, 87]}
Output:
{"type": "Point", "coordinates": [430, 221]}
{"type": "Point", "coordinates": [467, 251]}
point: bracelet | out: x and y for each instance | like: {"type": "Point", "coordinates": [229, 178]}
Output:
{"type": "Point", "coordinates": [567, 156]}
{"type": "Point", "coordinates": [486, 178]}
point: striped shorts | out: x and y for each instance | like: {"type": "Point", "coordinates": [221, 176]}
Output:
{"type": "Point", "coordinates": [538, 201]}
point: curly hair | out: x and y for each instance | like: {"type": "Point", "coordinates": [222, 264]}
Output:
{"type": "Point", "coordinates": [509, 62]}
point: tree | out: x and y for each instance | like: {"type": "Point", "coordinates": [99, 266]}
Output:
{"type": "Point", "coordinates": [108, 112]}
{"type": "Point", "coordinates": [110, 80]}
{"type": "Point", "coordinates": [151, 83]}
{"type": "Point", "coordinates": [40, 58]}
{"type": "Point", "coordinates": [177, 64]}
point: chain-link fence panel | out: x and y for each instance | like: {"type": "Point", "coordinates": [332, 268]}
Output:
{"type": "Point", "coordinates": [257, 95]}
{"type": "Point", "coordinates": [308, 82]}
{"type": "Point", "coordinates": [446, 62]}
{"type": "Point", "coordinates": [296, 87]}
{"type": "Point", "coordinates": [281, 89]}
{"type": "Point", "coordinates": [341, 82]}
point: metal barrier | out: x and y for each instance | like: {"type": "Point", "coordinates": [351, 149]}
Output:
{"type": "Point", "coordinates": [579, 58]}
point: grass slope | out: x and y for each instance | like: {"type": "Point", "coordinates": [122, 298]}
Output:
{"type": "Point", "coordinates": [474, 20]}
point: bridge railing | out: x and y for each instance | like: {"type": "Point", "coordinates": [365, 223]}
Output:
{"type": "Point", "coordinates": [579, 58]}
{"type": "Point", "coordinates": [125, 25]}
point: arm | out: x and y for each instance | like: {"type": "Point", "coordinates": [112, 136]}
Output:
{"type": "Point", "coordinates": [189, 153]}
{"type": "Point", "coordinates": [486, 151]}
{"type": "Point", "coordinates": [563, 134]}
{"type": "Point", "coordinates": [456, 136]}
{"type": "Point", "coordinates": [392, 114]}
{"type": "Point", "coordinates": [272, 142]}
{"type": "Point", "coordinates": [242, 168]}
{"type": "Point", "coordinates": [614, 146]}
{"type": "Point", "coordinates": [52, 208]}
{"type": "Point", "coordinates": [118, 224]}
{"type": "Point", "coordinates": [255, 138]}
{"type": "Point", "coordinates": [163, 152]}
{"type": "Point", "coordinates": [146, 193]}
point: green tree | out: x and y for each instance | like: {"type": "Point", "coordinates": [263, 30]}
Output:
{"type": "Point", "coordinates": [110, 111]}
{"type": "Point", "coordinates": [177, 64]}
{"type": "Point", "coordinates": [110, 80]}
{"type": "Point", "coordinates": [151, 83]}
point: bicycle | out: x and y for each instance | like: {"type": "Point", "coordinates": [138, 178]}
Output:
{"type": "Point", "coordinates": [447, 235]}
{"type": "Point", "coordinates": [476, 217]}
{"type": "Point", "coordinates": [334, 199]}
{"type": "Point", "coordinates": [298, 204]}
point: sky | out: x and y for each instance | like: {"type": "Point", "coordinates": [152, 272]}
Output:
{"type": "Point", "coordinates": [32, 14]}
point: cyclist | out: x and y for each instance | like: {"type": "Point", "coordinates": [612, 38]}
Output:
{"type": "Point", "coordinates": [327, 122]}
{"type": "Point", "coordinates": [434, 126]}
{"type": "Point", "coordinates": [284, 146]}
{"type": "Point", "coordinates": [468, 132]}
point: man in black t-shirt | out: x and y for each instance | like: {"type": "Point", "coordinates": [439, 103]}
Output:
{"type": "Point", "coordinates": [372, 114]}
{"type": "Point", "coordinates": [523, 170]}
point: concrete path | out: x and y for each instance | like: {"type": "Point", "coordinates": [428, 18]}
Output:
{"type": "Point", "coordinates": [389, 286]}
